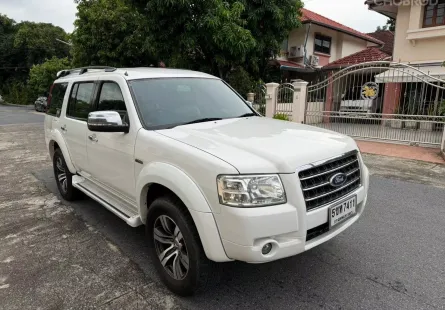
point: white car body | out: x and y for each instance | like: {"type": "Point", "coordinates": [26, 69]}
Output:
{"type": "Point", "coordinates": [117, 170]}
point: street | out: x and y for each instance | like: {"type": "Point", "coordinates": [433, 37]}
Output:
{"type": "Point", "coordinates": [56, 254]}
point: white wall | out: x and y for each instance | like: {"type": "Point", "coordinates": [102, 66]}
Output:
{"type": "Point", "coordinates": [342, 44]}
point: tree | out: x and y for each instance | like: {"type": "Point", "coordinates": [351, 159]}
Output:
{"type": "Point", "coordinates": [217, 36]}
{"type": "Point", "coordinates": [43, 75]}
{"type": "Point", "coordinates": [390, 25]}
{"type": "Point", "coordinates": [38, 42]}
{"type": "Point", "coordinates": [111, 32]}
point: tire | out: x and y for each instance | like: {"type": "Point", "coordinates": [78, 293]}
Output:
{"type": "Point", "coordinates": [164, 214]}
{"type": "Point", "coordinates": [64, 177]}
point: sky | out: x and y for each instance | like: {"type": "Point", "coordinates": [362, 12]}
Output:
{"type": "Point", "coordinates": [352, 13]}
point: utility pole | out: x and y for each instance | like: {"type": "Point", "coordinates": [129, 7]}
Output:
{"type": "Point", "coordinates": [67, 43]}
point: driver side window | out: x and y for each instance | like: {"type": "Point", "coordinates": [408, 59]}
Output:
{"type": "Point", "coordinates": [111, 99]}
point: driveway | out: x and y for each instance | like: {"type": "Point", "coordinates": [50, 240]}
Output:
{"type": "Point", "coordinates": [55, 254]}
{"type": "Point", "coordinates": [19, 115]}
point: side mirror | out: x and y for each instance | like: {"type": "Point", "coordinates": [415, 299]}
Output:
{"type": "Point", "coordinates": [106, 121]}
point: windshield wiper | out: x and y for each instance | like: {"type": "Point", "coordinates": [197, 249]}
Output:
{"type": "Point", "coordinates": [203, 120]}
{"type": "Point", "coordinates": [248, 114]}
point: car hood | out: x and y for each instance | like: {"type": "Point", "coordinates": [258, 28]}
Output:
{"type": "Point", "coordinates": [262, 145]}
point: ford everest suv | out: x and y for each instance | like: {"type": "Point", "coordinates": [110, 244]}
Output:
{"type": "Point", "coordinates": [183, 154]}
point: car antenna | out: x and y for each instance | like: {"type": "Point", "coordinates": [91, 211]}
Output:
{"type": "Point", "coordinates": [126, 73]}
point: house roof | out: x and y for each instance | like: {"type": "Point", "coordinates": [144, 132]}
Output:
{"type": "Point", "coordinates": [387, 37]}
{"type": "Point", "coordinates": [312, 17]}
{"type": "Point", "coordinates": [373, 53]}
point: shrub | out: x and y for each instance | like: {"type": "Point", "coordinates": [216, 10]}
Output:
{"type": "Point", "coordinates": [42, 76]}
{"type": "Point", "coordinates": [282, 117]}
{"type": "Point", "coordinates": [17, 92]}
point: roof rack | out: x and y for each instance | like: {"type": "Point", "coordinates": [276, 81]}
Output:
{"type": "Point", "coordinates": [83, 70]}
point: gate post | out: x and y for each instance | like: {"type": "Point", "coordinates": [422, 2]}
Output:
{"type": "Point", "coordinates": [299, 101]}
{"type": "Point", "coordinates": [271, 99]}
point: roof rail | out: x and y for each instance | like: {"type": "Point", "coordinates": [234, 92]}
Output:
{"type": "Point", "coordinates": [83, 70]}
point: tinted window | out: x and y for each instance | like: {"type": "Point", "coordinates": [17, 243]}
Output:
{"type": "Point", "coordinates": [322, 44]}
{"type": "Point", "coordinates": [56, 99]}
{"type": "Point", "coordinates": [175, 101]}
{"type": "Point", "coordinates": [80, 104]}
{"type": "Point", "coordinates": [111, 99]}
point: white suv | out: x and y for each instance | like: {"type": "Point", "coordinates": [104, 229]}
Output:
{"type": "Point", "coordinates": [183, 154]}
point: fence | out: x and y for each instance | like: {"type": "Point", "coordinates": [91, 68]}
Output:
{"type": "Point", "coordinates": [381, 101]}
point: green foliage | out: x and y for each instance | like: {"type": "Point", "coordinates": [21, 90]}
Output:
{"type": "Point", "coordinates": [16, 92]}
{"type": "Point", "coordinates": [282, 117]}
{"type": "Point", "coordinates": [111, 32]}
{"type": "Point", "coordinates": [390, 25]}
{"type": "Point", "coordinates": [38, 41]}
{"type": "Point", "coordinates": [42, 76]}
{"type": "Point", "coordinates": [241, 81]}
{"type": "Point", "coordinates": [442, 109]}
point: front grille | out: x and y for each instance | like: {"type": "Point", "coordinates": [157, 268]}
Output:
{"type": "Point", "coordinates": [315, 182]}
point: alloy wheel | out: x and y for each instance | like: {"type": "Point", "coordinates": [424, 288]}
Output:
{"type": "Point", "coordinates": [170, 247]}
{"type": "Point", "coordinates": [61, 175]}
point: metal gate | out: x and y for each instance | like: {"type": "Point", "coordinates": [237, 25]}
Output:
{"type": "Point", "coordinates": [379, 101]}
{"type": "Point", "coordinates": [259, 102]}
{"type": "Point", "coordinates": [285, 99]}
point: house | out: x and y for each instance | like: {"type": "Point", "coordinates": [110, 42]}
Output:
{"type": "Point", "coordinates": [420, 43]}
{"type": "Point", "coordinates": [319, 42]}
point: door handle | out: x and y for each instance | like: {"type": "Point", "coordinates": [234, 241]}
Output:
{"type": "Point", "coordinates": [63, 128]}
{"type": "Point", "coordinates": [93, 138]}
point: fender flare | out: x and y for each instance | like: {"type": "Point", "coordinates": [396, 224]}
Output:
{"type": "Point", "coordinates": [60, 140]}
{"type": "Point", "coordinates": [174, 179]}
{"type": "Point", "coordinates": [188, 191]}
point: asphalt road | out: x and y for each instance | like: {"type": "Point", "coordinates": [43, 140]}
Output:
{"type": "Point", "coordinates": [392, 258]}
{"type": "Point", "coordinates": [19, 115]}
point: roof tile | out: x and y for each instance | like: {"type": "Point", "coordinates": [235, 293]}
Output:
{"type": "Point", "coordinates": [372, 53]}
{"type": "Point", "coordinates": [309, 16]}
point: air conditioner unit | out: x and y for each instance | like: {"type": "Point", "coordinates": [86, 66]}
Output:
{"type": "Point", "coordinates": [296, 51]}
{"type": "Point", "coordinates": [315, 60]}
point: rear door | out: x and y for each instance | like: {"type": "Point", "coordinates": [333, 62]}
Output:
{"type": "Point", "coordinates": [73, 122]}
{"type": "Point", "coordinates": [58, 95]}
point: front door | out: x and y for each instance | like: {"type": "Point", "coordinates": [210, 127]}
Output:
{"type": "Point", "coordinates": [111, 155]}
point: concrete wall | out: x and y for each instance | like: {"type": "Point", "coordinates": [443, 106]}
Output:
{"type": "Point", "coordinates": [414, 43]}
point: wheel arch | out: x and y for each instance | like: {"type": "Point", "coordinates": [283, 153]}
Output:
{"type": "Point", "coordinates": [159, 179]}
{"type": "Point", "coordinates": [58, 142]}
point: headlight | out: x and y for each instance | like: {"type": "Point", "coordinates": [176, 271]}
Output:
{"type": "Point", "coordinates": [250, 190]}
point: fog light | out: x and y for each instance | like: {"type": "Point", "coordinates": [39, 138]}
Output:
{"type": "Point", "coordinates": [266, 248]}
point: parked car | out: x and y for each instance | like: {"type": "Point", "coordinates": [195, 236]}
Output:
{"type": "Point", "coordinates": [212, 181]}
{"type": "Point", "coordinates": [40, 104]}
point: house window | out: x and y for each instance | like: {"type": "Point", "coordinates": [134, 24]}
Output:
{"type": "Point", "coordinates": [434, 13]}
{"type": "Point", "coordinates": [322, 44]}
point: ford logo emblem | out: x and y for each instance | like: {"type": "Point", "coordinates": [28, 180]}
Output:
{"type": "Point", "coordinates": [338, 179]}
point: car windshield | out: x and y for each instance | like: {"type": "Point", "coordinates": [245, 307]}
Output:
{"type": "Point", "coordinates": [170, 102]}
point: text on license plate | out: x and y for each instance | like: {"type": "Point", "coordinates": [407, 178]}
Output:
{"type": "Point", "coordinates": [342, 211]}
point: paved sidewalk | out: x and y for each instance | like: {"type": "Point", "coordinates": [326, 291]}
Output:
{"type": "Point", "coordinates": [431, 155]}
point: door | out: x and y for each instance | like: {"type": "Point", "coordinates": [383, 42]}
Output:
{"type": "Point", "coordinates": [111, 155]}
{"type": "Point", "coordinates": [73, 124]}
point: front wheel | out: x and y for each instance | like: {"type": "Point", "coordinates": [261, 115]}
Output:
{"type": "Point", "coordinates": [175, 247]}
{"type": "Point", "coordinates": [64, 177]}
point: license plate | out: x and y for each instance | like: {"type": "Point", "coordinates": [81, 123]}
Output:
{"type": "Point", "coordinates": [342, 211]}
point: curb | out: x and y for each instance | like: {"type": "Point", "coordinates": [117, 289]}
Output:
{"type": "Point", "coordinates": [17, 105]}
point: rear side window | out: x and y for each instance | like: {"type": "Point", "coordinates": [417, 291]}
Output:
{"type": "Point", "coordinates": [55, 99]}
{"type": "Point", "coordinates": [81, 103]}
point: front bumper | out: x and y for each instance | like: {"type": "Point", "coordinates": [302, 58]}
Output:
{"type": "Point", "coordinates": [244, 231]}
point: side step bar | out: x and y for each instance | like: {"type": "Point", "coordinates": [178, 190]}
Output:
{"type": "Point", "coordinates": [81, 184]}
